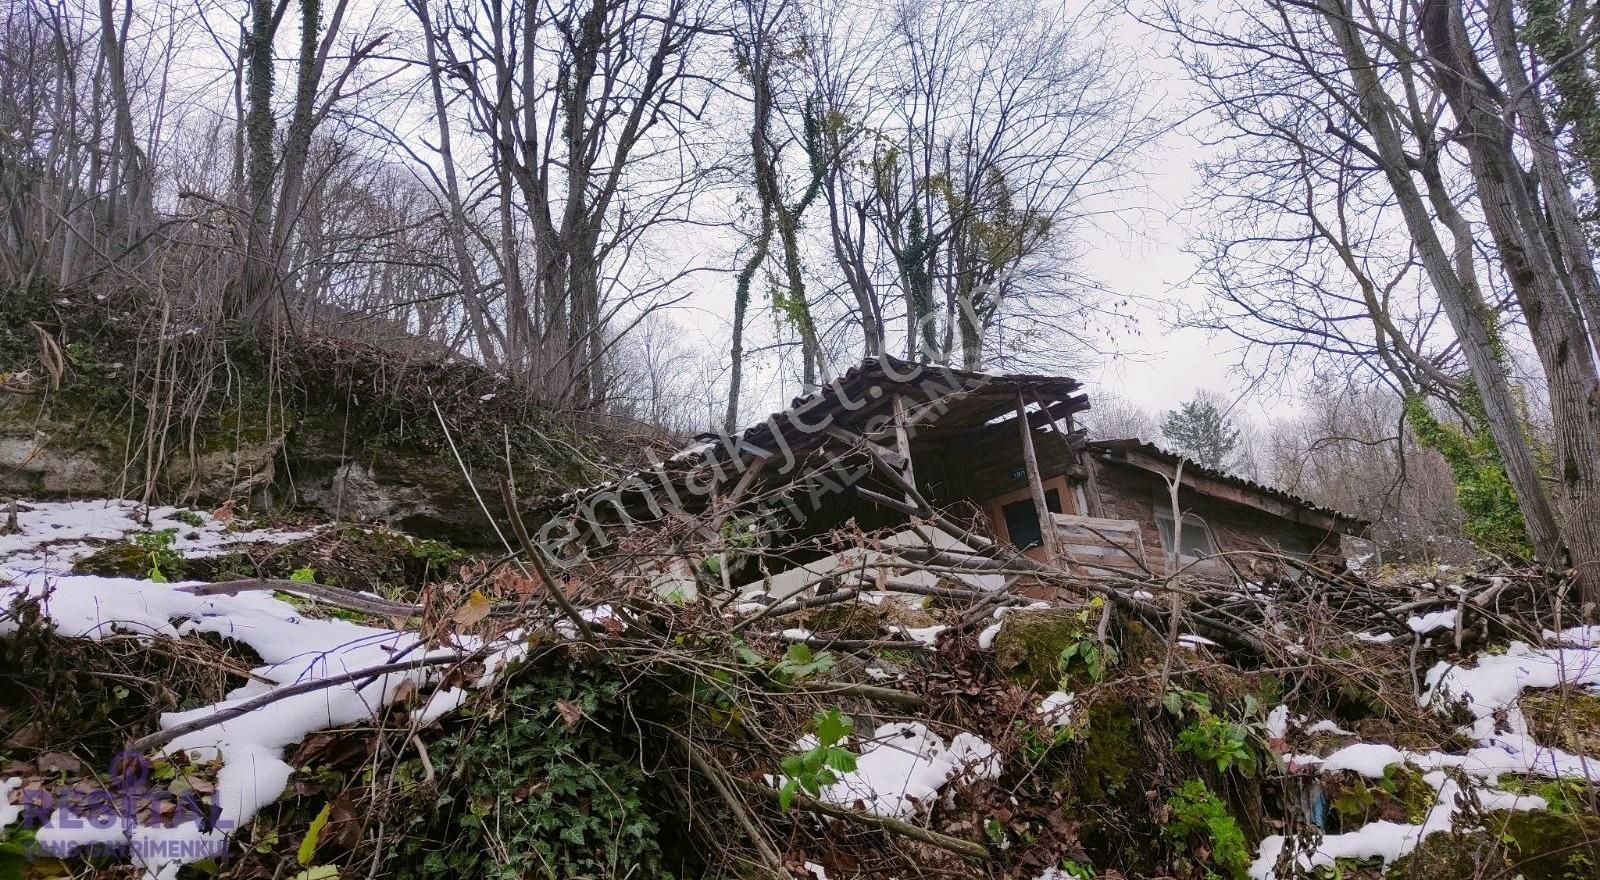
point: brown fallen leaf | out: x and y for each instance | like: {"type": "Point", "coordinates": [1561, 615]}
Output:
{"type": "Point", "coordinates": [476, 608]}
{"type": "Point", "coordinates": [570, 713]}
{"type": "Point", "coordinates": [59, 762]}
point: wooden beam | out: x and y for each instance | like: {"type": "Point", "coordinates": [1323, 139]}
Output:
{"type": "Point", "coordinates": [1030, 462]}
{"type": "Point", "coordinates": [1076, 441]}
{"type": "Point", "coordinates": [902, 438]}
{"type": "Point", "coordinates": [1091, 483]}
{"type": "Point", "coordinates": [1057, 411]}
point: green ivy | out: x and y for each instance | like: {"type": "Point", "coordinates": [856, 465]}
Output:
{"type": "Point", "coordinates": [1197, 811]}
{"type": "Point", "coordinates": [1493, 516]}
{"type": "Point", "coordinates": [544, 785]}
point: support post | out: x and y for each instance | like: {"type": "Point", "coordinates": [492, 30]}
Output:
{"type": "Point", "coordinates": [1030, 462]}
{"type": "Point", "coordinates": [902, 439]}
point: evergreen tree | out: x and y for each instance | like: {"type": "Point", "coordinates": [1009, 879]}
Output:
{"type": "Point", "coordinates": [1201, 431]}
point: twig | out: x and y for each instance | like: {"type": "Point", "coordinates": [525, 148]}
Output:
{"type": "Point", "coordinates": [741, 813]}
{"type": "Point", "coordinates": [960, 847]}
{"type": "Point", "coordinates": [509, 494]}
{"type": "Point", "coordinates": [789, 606]}
{"type": "Point", "coordinates": [865, 691]}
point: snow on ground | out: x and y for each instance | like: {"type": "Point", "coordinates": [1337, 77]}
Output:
{"type": "Point", "coordinates": [1489, 690]}
{"type": "Point", "coordinates": [904, 764]}
{"type": "Point", "coordinates": [52, 535]}
{"type": "Point", "coordinates": [36, 562]}
{"type": "Point", "coordinates": [1390, 840]}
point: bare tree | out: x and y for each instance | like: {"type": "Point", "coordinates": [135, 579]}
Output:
{"type": "Point", "coordinates": [1115, 417]}
{"type": "Point", "coordinates": [1342, 124]}
{"type": "Point", "coordinates": [960, 187]}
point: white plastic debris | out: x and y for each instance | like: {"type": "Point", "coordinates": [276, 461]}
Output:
{"type": "Point", "coordinates": [987, 637]}
{"type": "Point", "coordinates": [1434, 620]}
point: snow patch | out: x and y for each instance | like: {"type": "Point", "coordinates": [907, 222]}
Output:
{"type": "Point", "coordinates": [904, 765]}
{"type": "Point", "coordinates": [1056, 709]}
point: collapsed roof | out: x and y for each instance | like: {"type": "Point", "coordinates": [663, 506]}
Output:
{"type": "Point", "coordinates": [938, 408]}
{"type": "Point", "coordinates": [939, 404]}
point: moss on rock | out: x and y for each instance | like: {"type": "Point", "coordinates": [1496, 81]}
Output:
{"type": "Point", "coordinates": [1030, 643]}
{"type": "Point", "coordinates": [1569, 720]}
{"type": "Point", "coordinates": [1111, 752]}
{"type": "Point", "coordinates": [1536, 845]}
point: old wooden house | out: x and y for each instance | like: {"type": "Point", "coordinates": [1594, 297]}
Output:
{"type": "Point", "coordinates": [983, 457]}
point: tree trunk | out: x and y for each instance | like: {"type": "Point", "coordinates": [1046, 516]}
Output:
{"type": "Point", "coordinates": [1555, 30]}
{"type": "Point", "coordinates": [1468, 314]}
{"type": "Point", "coordinates": [258, 279]}
{"type": "Point", "coordinates": [466, 270]}
{"type": "Point", "coordinates": [1573, 257]}
{"type": "Point", "coordinates": [297, 143]}
{"type": "Point", "coordinates": [135, 170]}
{"type": "Point", "coordinates": [1514, 223]}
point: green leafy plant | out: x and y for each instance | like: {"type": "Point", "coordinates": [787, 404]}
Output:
{"type": "Point", "coordinates": [820, 765]}
{"type": "Point", "coordinates": [1197, 811]}
{"type": "Point", "coordinates": [1177, 701]}
{"type": "Point", "coordinates": [308, 845]}
{"type": "Point", "coordinates": [189, 518]}
{"type": "Point", "coordinates": [1089, 654]}
{"type": "Point", "coordinates": [1353, 802]}
{"type": "Point", "coordinates": [995, 830]}
{"type": "Point", "coordinates": [157, 546]}
{"type": "Point", "coordinates": [800, 663]}
{"type": "Point", "coordinates": [1214, 739]}
{"type": "Point", "coordinates": [542, 781]}
{"type": "Point", "coordinates": [305, 574]}
{"type": "Point", "coordinates": [1493, 516]}
{"type": "Point", "coordinates": [1037, 743]}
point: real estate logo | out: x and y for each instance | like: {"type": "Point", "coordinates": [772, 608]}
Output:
{"type": "Point", "coordinates": [127, 814]}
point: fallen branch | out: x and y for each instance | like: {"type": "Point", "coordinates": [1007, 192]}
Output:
{"type": "Point", "coordinates": [162, 737]}
{"type": "Point", "coordinates": [789, 606]}
{"type": "Point", "coordinates": [865, 691]}
{"type": "Point", "coordinates": [321, 592]}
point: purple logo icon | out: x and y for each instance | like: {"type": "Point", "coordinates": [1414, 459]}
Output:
{"type": "Point", "coordinates": [126, 815]}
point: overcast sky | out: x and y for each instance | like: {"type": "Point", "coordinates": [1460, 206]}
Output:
{"type": "Point", "coordinates": [1143, 259]}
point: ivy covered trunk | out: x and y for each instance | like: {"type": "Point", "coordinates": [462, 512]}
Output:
{"type": "Point", "coordinates": [1516, 225]}
{"type": "Point", "coordinates": [1454, 283]}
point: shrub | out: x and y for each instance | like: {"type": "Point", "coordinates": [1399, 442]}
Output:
{"type": "Point", "coordinates": [541, 783]}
